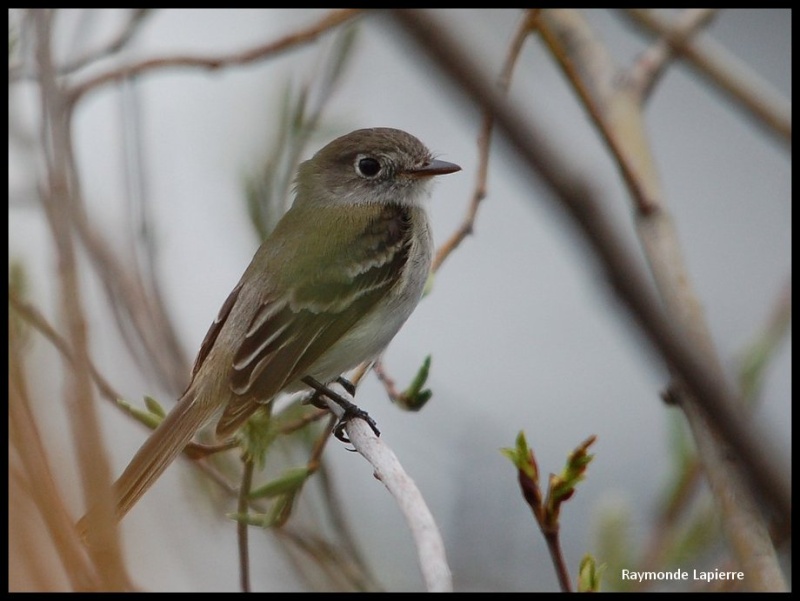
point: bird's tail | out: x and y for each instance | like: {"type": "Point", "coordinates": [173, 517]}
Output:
{"type": "Point", "coordinates": [159, 450]}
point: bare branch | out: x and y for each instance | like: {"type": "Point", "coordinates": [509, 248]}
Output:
{"type": "Point", "coordinates": [242, 527]}
{"type": "Point", "coordinates": [653, 62]}
{"type": "Point", "coordinates": [430, 546]}
{"type": "Point", "coordinates": [752, 93]}
{"type": "Point", "coordinates": [592, 73]}
{"type": "Point", "coordinates": [32, 316]}
{"type": "Point", "coordinates": [36, 487]}
{"type": "Point", "coordinates": [288, 42]}
{"type": "Point", "coordinates": [59, 198]}
{"type": "Point", "coordinates": [388, 469]}
{"type": "Point", "coordinates": [484, 142]}
{"type": "Point", "coordinates": [387, 381]}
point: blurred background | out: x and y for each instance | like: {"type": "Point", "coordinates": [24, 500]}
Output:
{"type": "Point", "coordinates": [523, 331]}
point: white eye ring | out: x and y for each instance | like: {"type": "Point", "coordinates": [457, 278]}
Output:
{"type": "Point", "coordinates": [367, 166]}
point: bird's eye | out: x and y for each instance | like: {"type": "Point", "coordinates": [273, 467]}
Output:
{"type": "Point", "coordinates": [368, 167]}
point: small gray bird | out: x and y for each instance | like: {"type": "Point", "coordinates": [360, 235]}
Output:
{"type": "Point", "coordinates": [327, 290]}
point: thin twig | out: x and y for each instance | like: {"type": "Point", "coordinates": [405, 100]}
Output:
{"type": "Point", "coordinates": [302, 422]}
{"type": "Point", "coordinates": [142, 320]}
{"type": "Point", "coordinates": [36, 320]}
{"type": "Point", "coordinates": [337, 519]}
{"type": "Point", "coordinates": [557, 556]}
{"type": "Point", "coordinates": [484, 142]}
{"type": "Point", "coordinates": [591, 72]}
{"type": "Point", "coordinates": [662, 532]}
{"type": "Point", "coordinates": [34, 317]}
{"type": "Point", "coordinates": [163, 353]}
{"type": "Point", "coordinates": [386, 380]}
{"type": "Point", "coordinates": [241, 526]}
{"type": "Point", "coordinates": [288, 42]}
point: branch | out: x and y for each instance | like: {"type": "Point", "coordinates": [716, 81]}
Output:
{"type": "Point", "coordinates": [123, 37]}
{"type": "Point", "coordinates": [303, 36]}
{"type": "Point", "coordinates": [33, 317]}
{"type": "Point", "coordinates": [750, 91]}
{"type": "Point", "coordinates": [580, 200]}
{"type": "Point", "coordinates": [484, 142]}
{"type": "Point", "coordinates": [36, 491]}
{"type": "Point", "coordinates": [241, 526]}
{"type": "Point", "coordinates": [653, 62]}
{"type": "Point", "coordinates": [617, 112]}
{"type": "Point", "coordinates": [141, 317]}
{"type": "Point", "coordinates": [59, 196]}
{"type": "Point", "coordinates": [430, 547]}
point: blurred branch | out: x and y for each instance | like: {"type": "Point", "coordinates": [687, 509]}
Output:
{"type": "Point", "coordinates": [241, 526]}
{"type": "Point", "coordinates": [743, 85]}
{"type": "Point", "coordinates": [267, 193]}
{"type": "Point", "coordinates": [59, 199]}
{"type": "Point", "coordinates": [136, 19]}
{"type": "Point", "coordinates": [590, 69]}
{"type": "Point", "coordinates": [358, 568]}
{"type": "Point", "coordinates": [303, 36]}
{"type": "Point", "coordinates": [37, 493]}
{"type": "Point", "coordinates": [764, 470]}
{"type": "Point", "coordinates": [757, 355]}
{"type": "Point", "coordinates": [35, 319]}
{"type": "Point", "coordinates": [32, 316]}
{"type": "Point", "coordinates": [653, 62]}
{"type": "Point", "coordinates": [681, 494]}
{"type": "Point", "coordinates": [618, 114]}
{"type": "Point", "coordinates": [141, 317]}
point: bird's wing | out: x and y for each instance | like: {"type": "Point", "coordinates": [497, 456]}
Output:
{"type": "Point", "coordinates": [289, 333]}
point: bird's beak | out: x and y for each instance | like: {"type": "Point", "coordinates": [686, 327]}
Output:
{"type": "Point", "coordinates": [435, 167]}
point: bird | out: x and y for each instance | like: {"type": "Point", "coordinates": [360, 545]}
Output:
{"type": "Point", "coordinates": [327, 290]}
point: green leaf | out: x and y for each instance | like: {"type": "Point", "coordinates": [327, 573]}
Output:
{"type": "Point", "coordinates": [589, 575]}
{"type": "Point", "coordinates": [281, 510]}
{"type": "Point", "coordinates": [289, 482]}
{"type": "Point", "coordinates": [414, 397]}
{"type": "Point", "coordinates": [562, 486]}
{"type": "Point", "coordinates": [154, 407]}
{"type": "Point", "coordinates": [257, 435]}
{"type": "Point", "coordinates": [522, 457]}
{"type": "Point", "coordinates": [148, 418]}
